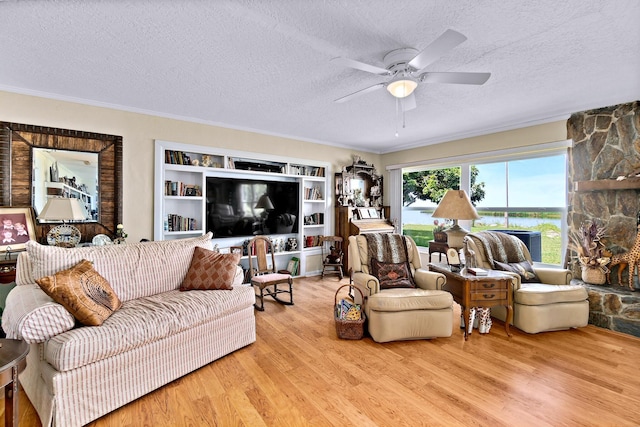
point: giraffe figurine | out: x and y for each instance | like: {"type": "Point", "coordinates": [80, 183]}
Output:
{"type": "Point", "coordinates": [631, 259]}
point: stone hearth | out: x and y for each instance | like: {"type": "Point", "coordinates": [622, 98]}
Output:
{"type": "Point", "coordinates": [613, 307]}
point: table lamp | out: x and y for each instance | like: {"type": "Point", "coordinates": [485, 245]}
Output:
{"type": "Point", "coordinates": [455, 205]}
{"type": "Point", "coordinates": [264, 202]}
{"type": "Point", "coordinates": [63, 209]}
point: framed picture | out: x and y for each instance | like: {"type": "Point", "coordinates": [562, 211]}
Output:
{"type": "Point", "coordinates": [17, 227]}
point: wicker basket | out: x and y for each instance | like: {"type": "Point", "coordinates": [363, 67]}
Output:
{"type": "Point", "coordinates": [440, 236]}
{"type": "Point", "coordinates": [348, 329]}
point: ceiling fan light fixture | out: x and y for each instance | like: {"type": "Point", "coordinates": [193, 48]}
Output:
{"type": "Point", "coordinates": [402, 87]}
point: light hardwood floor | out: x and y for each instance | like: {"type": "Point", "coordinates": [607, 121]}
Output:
{"type": "Point", "coordinates": [298, 373]}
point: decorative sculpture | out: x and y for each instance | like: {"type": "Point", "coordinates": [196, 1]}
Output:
{"type": "Point", "coordinates": [630, 259]}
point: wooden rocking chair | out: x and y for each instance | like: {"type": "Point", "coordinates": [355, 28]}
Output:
{"type": "Point", "coordinates": [265, 277]}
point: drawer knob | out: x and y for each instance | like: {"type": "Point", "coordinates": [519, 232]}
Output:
{"type": "Point", "coordinates": [488, 285]}
{"type": "Point", "coordinates": [489, 296]}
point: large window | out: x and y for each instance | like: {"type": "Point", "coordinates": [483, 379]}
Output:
{"type": "Point", "coordinates": [521, 194]}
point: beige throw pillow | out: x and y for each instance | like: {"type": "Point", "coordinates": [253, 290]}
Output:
{"type": "Point", "coordinates": [83, 292]}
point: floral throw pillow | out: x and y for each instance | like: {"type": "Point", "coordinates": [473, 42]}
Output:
{"type": "Point", "coordinates": [392, 275]}
{"type": "Point", "coordinates": [523, 268]}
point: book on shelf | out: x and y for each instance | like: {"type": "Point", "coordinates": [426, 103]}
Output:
{"type": "Point", "coordinates": [174, 222]}
{"type": "Point", "coordinates": [177, 188]}
{"type": "Point", "coordinates": [477, 271]}
{"type": "Point", "coordinates": [296, 266]}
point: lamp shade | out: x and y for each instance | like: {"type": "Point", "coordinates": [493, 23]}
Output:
{"type": "Point", "coordinates": [455, 205]}
{"type": "Point", "coordinates": [63, 209]}
{"type": "Point", "coordinates": [264, 202]}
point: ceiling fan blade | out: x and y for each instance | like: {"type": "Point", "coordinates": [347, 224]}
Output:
{"type": "Point", "coordinates": [455, 78]}
{"type": "Point", "coordinates": [346, 62]}
{"type": "Point", "coordinates": [408, 102]}
{"type": "Point", "coordinates": [443, 44]}
{"type": "Point", "coordinates": [360, 92]}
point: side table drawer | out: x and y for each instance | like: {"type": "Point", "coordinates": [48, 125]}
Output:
{"type": "Point", "coordinates": [488, 295]}
{"type": "Point", "coordinates": [486, 285]}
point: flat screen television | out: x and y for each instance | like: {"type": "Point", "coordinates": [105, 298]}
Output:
{"type": "Point", "coordinates": [237, 207]}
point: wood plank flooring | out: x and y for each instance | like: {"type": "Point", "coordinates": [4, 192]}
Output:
{"type": "Point", "coordinates": [298, 373]}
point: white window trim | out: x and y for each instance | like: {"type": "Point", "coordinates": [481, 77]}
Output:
{"type": "Point", "coordinates": [464, 162]}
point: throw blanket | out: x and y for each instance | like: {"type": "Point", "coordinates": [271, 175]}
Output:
{"type": "Point", "coordinates": [387, 247]}
{"type": "Point", "coordinates": [500, 247]}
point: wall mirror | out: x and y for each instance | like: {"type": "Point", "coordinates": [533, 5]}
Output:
{"type": "Point", "coordinates": [62, 173]}
{"type": "Point", "coordinates": [359, 185]}
{"type": "Point", "coordinates": [20, 143]}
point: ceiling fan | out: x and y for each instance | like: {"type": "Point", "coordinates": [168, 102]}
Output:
{"type": "Point", "coordinates": [406, 67]}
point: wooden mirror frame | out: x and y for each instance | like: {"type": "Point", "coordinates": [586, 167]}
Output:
{"type": "Point", "coordinates": [16, 159]}
{"type": "Point", "coordinates": [358, 171]}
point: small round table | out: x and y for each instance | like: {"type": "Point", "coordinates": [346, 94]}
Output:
{"type": "Point", "coordinates": [13, 354]}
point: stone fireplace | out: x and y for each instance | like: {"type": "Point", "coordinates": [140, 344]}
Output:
{"type": "Point", "coordinates": [606, 146]}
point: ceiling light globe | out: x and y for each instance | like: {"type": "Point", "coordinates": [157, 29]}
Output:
{"type": "Point", "coordinates": [402, 88]}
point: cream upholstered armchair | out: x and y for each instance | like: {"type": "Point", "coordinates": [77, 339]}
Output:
{"type": "Point", "coordinates": [543, 298]}
{"type": "Point", "coordinates": [400, 313]}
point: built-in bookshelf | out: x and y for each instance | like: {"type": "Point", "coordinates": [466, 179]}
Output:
{"type": "Point", "coordinates": [180, 207]}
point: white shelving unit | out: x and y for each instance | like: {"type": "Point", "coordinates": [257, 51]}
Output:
{"type": "Point", "coordinates": [188, 166]}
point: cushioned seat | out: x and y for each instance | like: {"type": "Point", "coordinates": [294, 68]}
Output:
{"type": "Point", "coordinates": [540, 294]}
{"type": "Point", "coordinates": [421, 312]}
{"type": "Point", "coordinates": [543, 298]}
{"type": "Point", "coordinates": [409, 299]}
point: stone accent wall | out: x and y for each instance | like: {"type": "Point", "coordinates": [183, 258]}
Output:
{"type": "Point", "coordinates": [606, 145]}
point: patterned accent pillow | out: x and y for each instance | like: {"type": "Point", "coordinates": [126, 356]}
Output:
{"type": "Point", "coordinates": [391, 274]}
{"type": "Point", "coordinates": [210, 270]}
{"type": "Point", "coordinates": [83, 292]}
{"type": "Point", "coordinates": [523, 268]}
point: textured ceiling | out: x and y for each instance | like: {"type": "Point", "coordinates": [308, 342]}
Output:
{"type": "Point", "coordinates": [266, 65]}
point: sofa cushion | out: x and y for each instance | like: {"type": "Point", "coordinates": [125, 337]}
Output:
{"type": "Point", "coordinates": [31, 315]}
{"type": "Point", "coordinates": [524, 269]}
{"type": "Point", "coordinates": [405, 299]}
{"type": "Point", "coordinates": [154, 267]}
{"type": "Point", "coordinates": [142, 321]}
{"type": "Point", "coordinates": [392, 274]}
{"type": "Point", "coordinates": [83, 292]}
{"type": "Point", "coordinates": [541, 294]}
{"type": "Point", "coordinates": [210, 270]}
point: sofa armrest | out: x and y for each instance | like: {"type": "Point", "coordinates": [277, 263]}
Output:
{"type": "Point", "coordinates": [426, 279]}
{"type": "Point", "coordinates": [31, 315]}
{"type": "Point", "coordinates": [553, 276]}
{"type": "Point", "coordinates": [367, 283]}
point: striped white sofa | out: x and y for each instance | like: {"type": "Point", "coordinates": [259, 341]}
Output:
{"type": "Point", "coordinates": [77, 374]}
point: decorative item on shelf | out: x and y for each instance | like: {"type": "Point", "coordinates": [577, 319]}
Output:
{"type": "Point", "coordinates": [121, 235]}
{"type": "Point", "coordinates": [456, 205]}
{"type": "Point", "coordinates": [101, 240]}
{"type": "Point", "coordinates": [63, 209]}
{"type": "Point", "coordinates": [438, 231]}
{"type": "Point", "coordinates": [292, 244]}
{"type": "Point", "coordinates": [591, 252]}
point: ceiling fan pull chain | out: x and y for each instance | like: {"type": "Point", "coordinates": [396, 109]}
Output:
{"type": "Point", "coordinates": [397, 114]}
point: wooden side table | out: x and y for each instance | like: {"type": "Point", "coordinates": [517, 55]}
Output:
{"type": "Point", "coordinates": [438, 247]}
{"type": "Point", "coordinates": [478, 291]}
{"type": "Point", "coordinates": [7, 270]}
{"type": "Point", "coordinates": [13, 354]}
